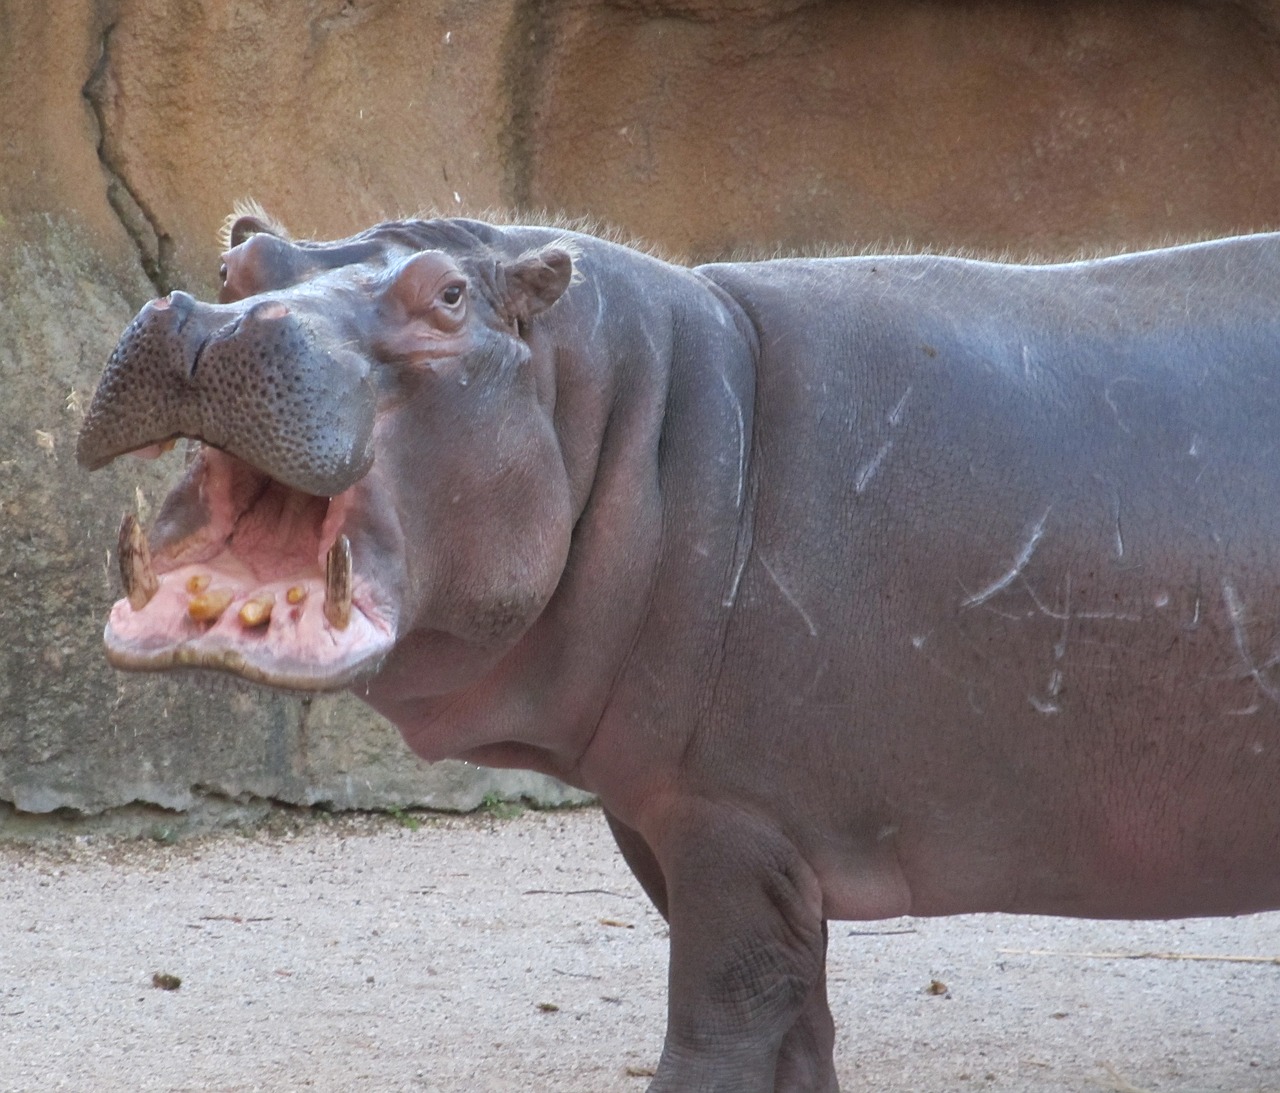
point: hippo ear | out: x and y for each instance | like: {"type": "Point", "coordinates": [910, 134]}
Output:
{"type": "Point", "coordinates": [248, 218]}
{"type": "Point", "coordinates": [536, 280]}
{"type": "Point", "coordinates": [245, 226]}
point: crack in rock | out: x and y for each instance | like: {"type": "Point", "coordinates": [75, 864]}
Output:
{"type": "Point", "coordinates": [155, 247]}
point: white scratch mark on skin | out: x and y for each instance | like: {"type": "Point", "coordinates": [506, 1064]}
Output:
{"type": "Point", "coordinates": [871, 468]}
{"type": "Point", "coordinates": [813, 631]}
{"type": "Point", "coordinates": [599, 316]}
{"type": "Point", "coordinates": [1060, 647]}
{"type": "Point", "coordinates": [732, 597]}
{"type": "Point", "coordinates": [742, 436]}
{"type": "Point", "coordinates": [1106, 394]}
{"type": "Point", "coordinates": [868, 471]}
{"type": "Point", "coordinates": [895, 415]}
{"type": "Point", "coordinates": [1015, 616]}
{"type": "Point", "coordinates": [1003, 582]}
{"type": "Point", "coordinates": [1041, 706]}
{"type": "Point", "coordinates": [1235, 611]}
{"type": "Point", "coordinates": [1194, 450]}
{"type": "Point", "coordinates": [1043, 608]}
{"type": "Point", "coordinates": [918, 643]}
{"type": "Point", "coordinates": [1119, 533]}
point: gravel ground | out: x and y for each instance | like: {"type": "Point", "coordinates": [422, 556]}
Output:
{"type": "Point", "coordinates": [481, 954]}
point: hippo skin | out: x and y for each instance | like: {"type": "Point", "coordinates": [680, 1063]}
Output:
{"type": "Point", "coordinates": [853, 587]}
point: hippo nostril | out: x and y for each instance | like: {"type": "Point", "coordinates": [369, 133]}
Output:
{"type": "Point", "coordinates": [273, 309]}
{"type": "Point", "coordinates": [183, 303]}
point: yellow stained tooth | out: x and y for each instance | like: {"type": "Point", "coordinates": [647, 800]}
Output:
{"type": "Point", "coordinates": [257, 610]}
{"type": "Point", "coordinates": [197, 583]}
{"type": "Point", "coordinates": [296, 594]}
{"type": "Point", "coordinates": [337, 584]}
{"type": "Point", "coordinates": [133, 554]}
{"type": "Point", "coordinates": [208, 606]}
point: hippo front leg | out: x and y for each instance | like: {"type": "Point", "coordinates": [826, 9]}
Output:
{"type": "Point", "coordinates": [806, 1059]}
{"type": "Point", "coordinates": [747, 1009]}
{"type": "Point", "coordinates": [639, 858]}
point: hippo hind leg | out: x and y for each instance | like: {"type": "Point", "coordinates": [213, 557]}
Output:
{"type": "Point", "coordinates": [748, 1006]}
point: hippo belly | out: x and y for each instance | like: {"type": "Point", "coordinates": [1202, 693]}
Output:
{"type": "Point", "coordinates": [1016, 570]}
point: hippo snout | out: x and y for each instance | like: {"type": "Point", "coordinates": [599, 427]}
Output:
{"type": "Point", "coordinates": [256, 379]}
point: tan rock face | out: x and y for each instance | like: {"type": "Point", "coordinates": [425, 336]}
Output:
{"type": "Point", "coordinates": [130, 127]}
{"type": "Point", "coordinates": [48, 139]}
{"type": "Point", "coordinates": [703, 125]}
{"type": "Point", "coordinates": [333, 113]}
{"type": "Point", "coordinates": [1026, 126]}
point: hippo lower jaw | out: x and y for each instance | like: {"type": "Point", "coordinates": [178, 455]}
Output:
{"type": "Point", "coordinates": [261, 586]}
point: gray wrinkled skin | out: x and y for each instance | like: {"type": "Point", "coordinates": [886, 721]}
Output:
{"type": "Point", "coordinates": [264, 390]}
{"type": "Point", "coordinates": [854, 587]}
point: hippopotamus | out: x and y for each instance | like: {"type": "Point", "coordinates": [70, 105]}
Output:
{"type": "Point", "coordinates": [853, 587]}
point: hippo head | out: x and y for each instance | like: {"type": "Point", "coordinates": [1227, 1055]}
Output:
{"type": "Point", "coordinates": [371, 455]}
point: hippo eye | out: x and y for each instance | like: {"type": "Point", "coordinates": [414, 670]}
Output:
{"type": "Point", "coordinates": [451, 295]}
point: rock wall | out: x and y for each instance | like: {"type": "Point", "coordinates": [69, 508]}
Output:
{"type": "Point", "coordinates": [996, 124]}
{"type": "Point", "coordinates": [705, 126]}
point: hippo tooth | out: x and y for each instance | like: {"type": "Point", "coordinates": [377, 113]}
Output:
{"type": "Point", "coordinates": [337, 583]}
{"type": "Point", "coordinates": [134, 555]}
{"type": "Point", "coordinates": [208, 606]}
{"type": "Point", "coordinates": [197, 583]}
{"type": "Point", "coordinates": [256, 611]}
{"type": "Point", "coordinates": [296, 594]}
{"type": "Point", "coordinates": [155, 451]}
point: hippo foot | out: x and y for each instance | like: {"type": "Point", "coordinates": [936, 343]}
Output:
{"type": "Point", "coordinates": [806, 1060]}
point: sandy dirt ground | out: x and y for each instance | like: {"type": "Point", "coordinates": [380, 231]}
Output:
{"type": "Point", "coordinates": [487, 953]}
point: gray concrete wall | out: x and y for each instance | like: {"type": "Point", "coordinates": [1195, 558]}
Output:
{"type": "Point", "coordinates": [130, 127]}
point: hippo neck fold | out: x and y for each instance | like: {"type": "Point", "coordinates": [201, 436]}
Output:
{"type": "Point", "coordinates": [653, 368]}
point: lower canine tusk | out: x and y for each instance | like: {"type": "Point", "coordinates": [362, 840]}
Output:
{"type": "Point", "coordinates": [337, 583]}
{"type": "Point", "coordinates": [134, 555]}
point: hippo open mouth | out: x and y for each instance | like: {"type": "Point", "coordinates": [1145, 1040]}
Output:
{"type": "Point", "coordinates": [250, 576]}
